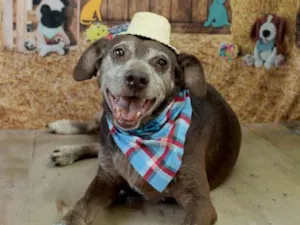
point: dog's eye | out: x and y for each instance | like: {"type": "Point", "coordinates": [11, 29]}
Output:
{"type": "Point", "coordinates": [162, 62]}
{"type": "Point", "coordinates": [119, 52]}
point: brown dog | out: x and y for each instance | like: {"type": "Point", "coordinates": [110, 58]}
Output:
{"type": "Point", "coordinates": [212, 142]}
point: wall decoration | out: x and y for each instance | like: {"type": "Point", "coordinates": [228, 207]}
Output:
{"type": "Point", "coordinates": [88, 12]}
{"type": "Point", "coordinates": [269, 33]}
{"type": "Point", "coordinates": [41, 25]}
{"type": "Point", "coordinates": [96, 31]}
{"type": "Point", "coordinates": [186, 16]}
{"type": "Point", "coordinates": [229, 51]}
{"type": "Point", "coordinates": [218, 16]}
{"type": "Point", "coordinates": [298, 29]}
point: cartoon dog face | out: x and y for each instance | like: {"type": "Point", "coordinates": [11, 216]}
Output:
{"type": "Point", "coordinates": [51, 13]}
{"type": "Point", "coordinates": [269, 28]}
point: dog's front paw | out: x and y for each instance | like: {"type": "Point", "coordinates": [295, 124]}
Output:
{"type": "Point", "coordinates": [279, 61]}
{"type": "Point", "coordinates": [61, 51]}
{"type": "Point", "coordinates": [268, 65]}
{"type": "Point", "coordinates": [62, 127]}
{"type": "Point", "coordinates": [258, 63]}
{"type": "Point", "coordinates": [63, 156]}
{"type": "Point", "coordinates": [248, 60]}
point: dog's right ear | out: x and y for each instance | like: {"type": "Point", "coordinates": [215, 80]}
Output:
{"type": "Point", "coordinates": [89, 63]}
{"type": "Point", "coordinates": [193, 74]}
{"type": "Point", "coordinates": [254, 35]}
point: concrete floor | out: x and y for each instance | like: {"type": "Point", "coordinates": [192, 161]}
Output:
{"type": "Point", "coordinates": [264, 188]}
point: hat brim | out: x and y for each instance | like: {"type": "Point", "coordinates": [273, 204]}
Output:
{"type": "Point", "coordinates": [139, 35]}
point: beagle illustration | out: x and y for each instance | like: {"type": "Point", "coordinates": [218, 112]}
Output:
{"type": "Point", "coordinates": [88, 11]}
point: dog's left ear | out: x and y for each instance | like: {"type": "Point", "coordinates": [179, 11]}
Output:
{"type": "Point", "coordinates": [65, 2]}
{"type": "Point", "coordinates": [192, 74]}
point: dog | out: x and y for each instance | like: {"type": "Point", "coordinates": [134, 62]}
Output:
{"type": "Point", "coordinates": [88, 11]}
{"type": "Point", "coordinates": [138, 79]}
{"type": "Point", "coordinates": [268, 33]}
{"type": "Point", "coordinates": [218, 16]}
{"type": "Point", "coordinates": [50, 34]}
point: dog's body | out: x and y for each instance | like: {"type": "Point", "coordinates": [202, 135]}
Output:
{"type": "Point", "coordinates": [212, 142]}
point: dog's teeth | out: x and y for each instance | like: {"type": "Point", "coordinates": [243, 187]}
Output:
{"type": "Point", "coordinates": [137, 115]}
{"type": "Point", "coordinates": [118, 111]}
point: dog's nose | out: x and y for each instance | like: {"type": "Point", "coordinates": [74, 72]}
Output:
{"type": "Point", "coordinates": [266, 33]}
{"type": "Point", "coordinates": [136, 80]}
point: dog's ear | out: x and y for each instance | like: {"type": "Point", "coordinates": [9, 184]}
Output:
{"type": "Point", "coordinates": [254, 35]}
{"type": "Point", "coordinates": [89, 63]}
{"type": "Point", "coordinates": [45, 9]}
{"type": "Point", "coordinates": [191, 72]}
{"type": "Point", "coordinates": [281, 30]}
{"type": "Point", "coordinates": [36, 2]}
{"type": "Point", "coordinates": [65, 2]}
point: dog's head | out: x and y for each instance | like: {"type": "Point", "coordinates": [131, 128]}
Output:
{"type": "Point", "coordinates": [51, 13]}
{"type": "Point", "coordinates": [268, 28]}
{"type": "Point", "coordinates": [138, 77]}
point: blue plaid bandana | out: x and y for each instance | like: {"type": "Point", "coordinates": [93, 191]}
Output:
{"type": "Point", "coordinates": [156, 149]}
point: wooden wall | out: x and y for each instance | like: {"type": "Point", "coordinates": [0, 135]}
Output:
{"type": "Point", "coordinates": [72, 21]}
{"type": "Point", "coordinates": [186, 16]}
{"type": "Point", "coordinates": [298, 29]}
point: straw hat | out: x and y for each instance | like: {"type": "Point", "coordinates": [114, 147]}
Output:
{"type": "Point", "coordinates": [152, 26]}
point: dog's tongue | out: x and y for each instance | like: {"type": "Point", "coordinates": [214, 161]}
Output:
{"type": "Point", "coordinates": [130, 106]}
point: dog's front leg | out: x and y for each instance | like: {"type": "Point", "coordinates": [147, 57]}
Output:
{"type": "Point", "coordinates": [271, 59]}
{"type": "Point", "coordinates": [101, 193]}
{"type": "Point", "coordinates": [68, 127]}
{"type": "Point", "coordinates": [258, 62]}
{"type": "Point", "coordinates": [193, 195]}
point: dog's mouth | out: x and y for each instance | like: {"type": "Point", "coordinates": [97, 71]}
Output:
{"type": "Point", "coordinates": [128, 111]}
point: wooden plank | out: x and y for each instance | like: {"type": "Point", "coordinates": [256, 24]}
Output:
{"type": "Point", "coordinates": [298, 29]}
{"type": "Point", "coordinates": [198, 28]}
{"type": "Point", "coordinates": [280, 136]}
{"type": "Point", "coordinates": [199, 10]}
{"type": "Point", "coordinates": [15, 157]}
{"type": "Point", "coordinates": [7, 24]}
{"type": "Point", "coordinates": [181, 11]}
{"type": "Point", "coordinates": [118, 10]}
{"type": "Point", "coordinates": [138, 6]}
{"type": "Point", "coordinates": [104, 10]}
{"type": "Point", "coordinates": [161, 7]}
{"type": "Point", "coordinates": [229, 11]}
{"type": "Point", "coordinates": [21, 14]}
{"type": "Point", "coordinates": [14, 209]}
{"type": "Point", "coordinates": [29, 5]}
{"type": "Point", "coordinates": [263, 154]}
{"type": "Point", "coordinates": [187, 28]}
{"type": "Point", "coordinates": [270, 188]}
{"type": "Point", "coordinates": [72, 22]}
